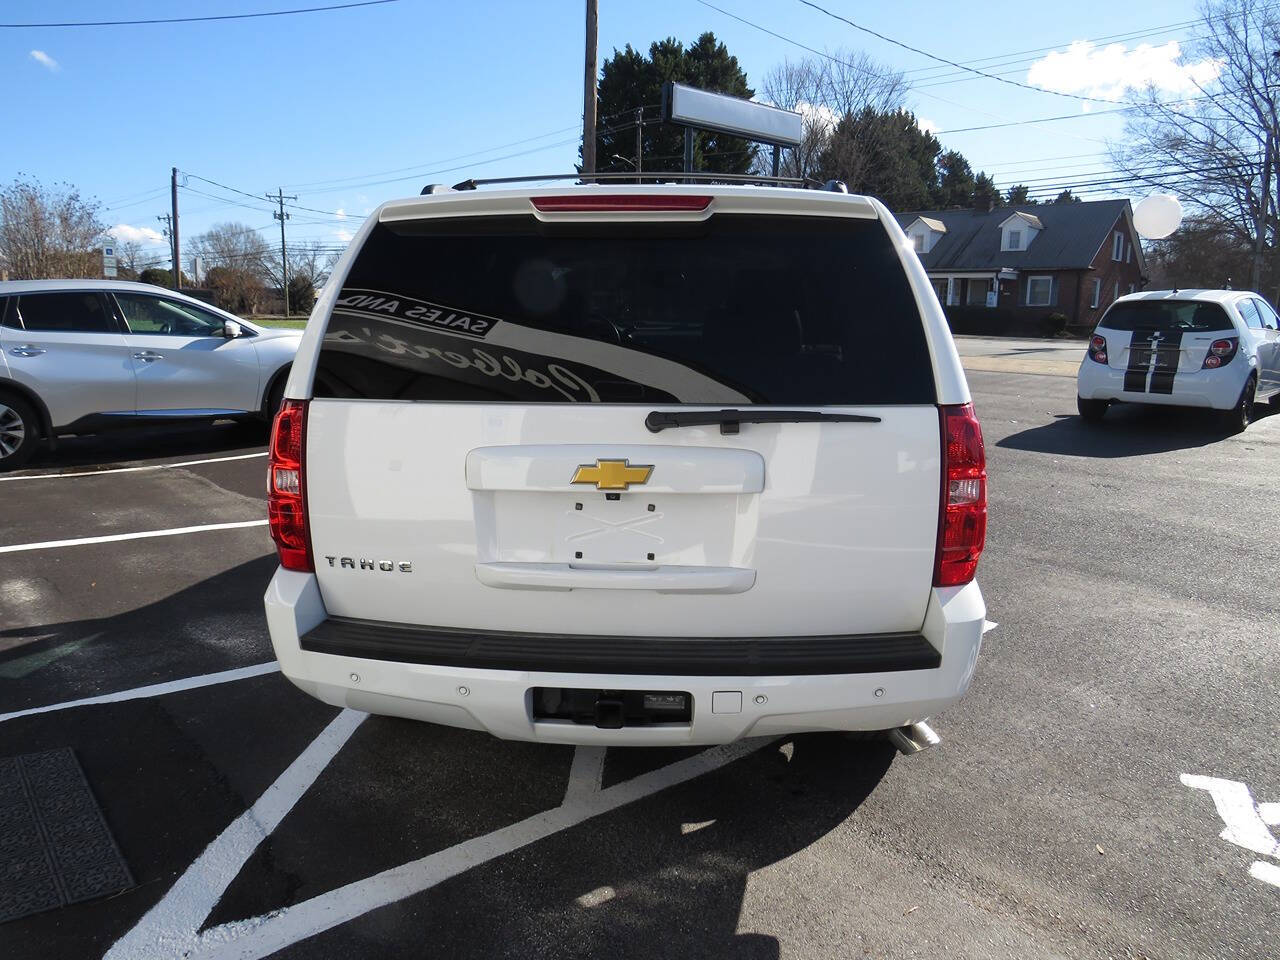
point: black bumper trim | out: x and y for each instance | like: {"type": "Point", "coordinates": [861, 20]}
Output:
{"type": "Point", "coordinates": [676, 656]}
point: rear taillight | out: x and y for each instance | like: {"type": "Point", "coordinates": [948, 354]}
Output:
{"type": "Point", "coordinates": [1220, 352]}
{"type": "Point", "coordinates": [286, 487]}
{"type": "Point", "coordinates": [1098, 349]}
{"type": "Point", "coordinates": [962, 524]}
{"type": "Point", "coordinates": [634, 203]}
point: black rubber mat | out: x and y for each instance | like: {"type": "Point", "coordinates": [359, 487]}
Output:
{"type": "Point", "coordinates": [55, 848]}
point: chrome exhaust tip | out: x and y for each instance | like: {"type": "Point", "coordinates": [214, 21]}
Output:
{"type": "Point", "coordinates": [913, 738]}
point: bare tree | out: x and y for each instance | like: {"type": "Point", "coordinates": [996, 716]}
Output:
{"type": "Point", "coordinates": [48, 232]}
{"type": "Point", "coordinates": [312, 261]}
{"type": "Point", "coordinates": [237, 261]}
{"type": "Point", "coordinates": [1219, 150]}
{"type": "Point", "coordinates": [129, 255]}
{"type": "Point", "coordinates": [825, 90]}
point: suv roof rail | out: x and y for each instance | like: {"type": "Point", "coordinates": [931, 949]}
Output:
{"type": "Point", "coordinates": [657, 175]}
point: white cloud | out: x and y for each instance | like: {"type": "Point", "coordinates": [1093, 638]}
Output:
{"type": "Point", "coordinates": [124, 233]}
{"type": "Point", "coordinates": [927, 125]}
{"type": "Point", "coordinates": [1107, 72]}
{"type": "Point", "coordinates": [822, 117]}
{"type": "Point", "coordinates": [340, 213]}
{"type": "Point", "coordinates": [46, 61]}
{"type": "Point", "coordinates": [344, 235]}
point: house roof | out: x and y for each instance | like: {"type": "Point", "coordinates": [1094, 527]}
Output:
{"type": "Point", "coordinates": [932, 223]}
{"type": "Point", "coordinates": [1070, 236]}
{"type": "Point", "coordinates": [1025, 217]}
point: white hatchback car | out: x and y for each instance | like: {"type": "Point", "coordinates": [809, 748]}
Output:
{"type": "Point", "coordinates": [630, 465]}
{"type": "Point", "coordinates": [80, 356]}
{"type": "Point", "coordinates": [1194, 348]}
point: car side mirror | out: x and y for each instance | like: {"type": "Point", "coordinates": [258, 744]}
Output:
{"type": "Point", "coordinates": [231, 330]}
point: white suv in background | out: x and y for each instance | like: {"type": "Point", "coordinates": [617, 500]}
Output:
{"type": "Point", "coordinates": [629, 465]}
{"type": "Point", "coordinates": [1195, 348]}
{"type": "Point", "coordinates": [80, 356]}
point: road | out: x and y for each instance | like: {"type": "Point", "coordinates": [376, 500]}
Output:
{"type": "Point", "coordinates": [1130, 569]}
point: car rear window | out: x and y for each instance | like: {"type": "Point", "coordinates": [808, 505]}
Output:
{"type": "Point", "coordinates": [735, 309]}
{"type": "Point", "coordinates": [1166, 315]}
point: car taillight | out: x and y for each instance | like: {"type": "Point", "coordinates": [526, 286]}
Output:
{"type": "Point", "coordinates": [1220, 352]}
{"type": "Point", "coordinates": [962, 524]}
{"type": "Point", "coordinates": [634, 203]}
{"type": "Point", "coordinates": [1098, 349]}
{"type": "Point", "coordinates": [286, 487]}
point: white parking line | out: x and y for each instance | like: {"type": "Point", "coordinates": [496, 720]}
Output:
{"type": "Point", "coordinates": [114, 537]}
{"type": "Point", "coordinates": [585, 773]}
{"type": "Point", "coordinates": [172, 927]}
{"type": "Point", "coordinates": [154, 466]}
{"type": "Point", "coordinates": [152, 690]}
{"type": "Point", "coordinates": [174, 922]}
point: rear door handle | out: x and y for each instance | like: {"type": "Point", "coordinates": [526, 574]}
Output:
{"type": "Point", "coordinates": [27, 350]}
{"type": "Point", "coordinates": [146, 356]}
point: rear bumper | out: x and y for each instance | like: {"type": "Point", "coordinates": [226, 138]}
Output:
{"type": "Point", "coordinates": [1218, 389]}
{"type": "Point", "coordinates": [896, 679]}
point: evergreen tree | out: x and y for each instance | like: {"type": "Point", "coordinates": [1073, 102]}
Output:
{"type": "Point", "coordinates": [629, 80]}
{"type": "Point", "coordinates": [955, 181]}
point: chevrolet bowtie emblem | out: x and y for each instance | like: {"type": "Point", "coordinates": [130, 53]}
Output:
{"type": "Point", "coordinates": [612, 474]}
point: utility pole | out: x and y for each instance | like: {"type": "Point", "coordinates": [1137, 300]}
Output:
{"type": "Point", "coordinates": [639, 139]}
{"type": "Point", "coordinates": [167, 220]}
{"type": "Point", "coordinates": [177, 249]}
{"type": "Point", "coordinates": [1260, 217]}
{"type": "Point", "coordinates": [280, 198]}
{"type": "Point", "coordinates": [589, 92]}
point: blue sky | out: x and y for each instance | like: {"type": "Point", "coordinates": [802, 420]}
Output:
{"type": "Point", "coordinates": [331, 105]}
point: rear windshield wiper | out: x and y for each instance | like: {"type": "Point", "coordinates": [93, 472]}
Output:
{"type": "Point", "coordinates": [659, 420]}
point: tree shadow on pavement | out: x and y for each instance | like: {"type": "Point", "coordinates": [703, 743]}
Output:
{"type": "Point", "coordinates": [215, 624]}
{"type": "Point", "coordinates": [1128, 430]}
{"type": "Point", "coordinates": [663, 877]}
{"type": "Point", "coordinates": [126, 444]}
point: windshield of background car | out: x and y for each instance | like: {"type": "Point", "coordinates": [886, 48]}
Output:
{"type": "Point", "coordinates": [735, 309]}
{"type": "Point", "coordinates": [1166, 315]}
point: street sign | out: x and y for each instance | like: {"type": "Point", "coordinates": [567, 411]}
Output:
{"type": "Point", "coordinates": [109, 260]}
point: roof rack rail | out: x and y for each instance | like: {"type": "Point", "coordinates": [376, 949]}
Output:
{"type": "Point", "coordinates": [657, 175]}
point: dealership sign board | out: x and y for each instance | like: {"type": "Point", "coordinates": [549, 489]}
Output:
{"type": "Point", "coordinates": [691, 107]}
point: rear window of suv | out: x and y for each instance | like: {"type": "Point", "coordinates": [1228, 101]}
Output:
{"type": "Point", "coordinates": [735, 309]}
{"type": "Point", "coordinates": [1166, 315]}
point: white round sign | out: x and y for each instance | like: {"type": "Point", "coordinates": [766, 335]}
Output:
{"type": "Point", "coordinates": [1157, 216]}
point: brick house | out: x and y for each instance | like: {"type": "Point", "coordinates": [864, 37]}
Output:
{"type": "Point", "coordinates": [1011, 268]}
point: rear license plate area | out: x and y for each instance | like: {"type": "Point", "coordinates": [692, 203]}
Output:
{"type": "Point", "coordinates": [612, 709]}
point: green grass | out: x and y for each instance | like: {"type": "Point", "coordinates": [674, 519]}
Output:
{"type": "Point", "coordinates": [289, 323]}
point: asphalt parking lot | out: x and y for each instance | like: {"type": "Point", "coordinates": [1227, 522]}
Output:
{"type": "Point", "coordinates": [1073, 809]}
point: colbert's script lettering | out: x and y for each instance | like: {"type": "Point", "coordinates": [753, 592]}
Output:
{"type": "Point", "coordinates": [555, 378]}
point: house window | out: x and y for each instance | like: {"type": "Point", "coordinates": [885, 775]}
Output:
{"type": "Point", "coordinates": [1015, 239]}
{"type": "Point", "coordinates": [1117, 294]}
{"type": "Point", "coordinates": [977, 292]}
{"type": "Point", "coordinates": [1132, 287]}
{"type": "Point", "coordinates": [1117, 247]}
{"type": "Point", "coordinates": [1097, 292]}
{"type": "Point", "coordinates": [1039, 291]}
{"type": "Point", "coordinates": [917, 241]}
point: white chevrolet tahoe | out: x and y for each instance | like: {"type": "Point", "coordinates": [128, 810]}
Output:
{"type": "Point", "coordinates": [629, 465]}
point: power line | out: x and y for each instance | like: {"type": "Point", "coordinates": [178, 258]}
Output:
{"type": "Point", "coordinates": [426, 174]}
{"type": "Point", "coordinates": [827, 56]}
{"type": "Point", "coordinates": [953, 63]}
{"type": "Point", "coordinates": [1021, 123]}
{"type": "Point", "coordinates": [224, 16]}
